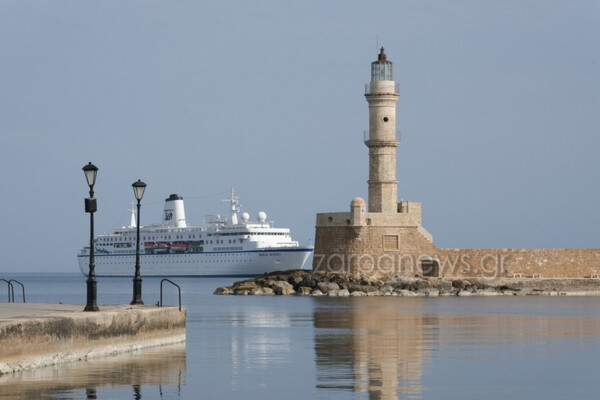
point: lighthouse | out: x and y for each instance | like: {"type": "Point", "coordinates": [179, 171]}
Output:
{"type": "Point", "coordinates": [387, 239]}
{"type": "Point", "coordinates": [382, 96]}
{"type": "Point", "coordinates": [373, 238]}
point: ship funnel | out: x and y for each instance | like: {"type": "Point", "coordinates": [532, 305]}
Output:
{"type": "Point", "coordinates": [174, 213]}
{"type": "Point", "coordinates": [132, 223]}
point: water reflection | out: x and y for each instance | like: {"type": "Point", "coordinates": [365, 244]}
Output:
{"type": "Point", "coordinates": [159, 366]}
{"type": "Point", "coordinates": [376, 346]}
{"type": "Point", "coordinates": [260, 340]}
{"type": "Point", "coordinates": [387, 347]}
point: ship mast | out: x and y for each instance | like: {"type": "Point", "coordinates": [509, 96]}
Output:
{"type": "Point", "coordinates": [235, 207]}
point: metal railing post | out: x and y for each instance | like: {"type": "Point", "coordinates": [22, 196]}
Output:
{"type": "Point", "coordinates": [161, 291]}
{"type": "Point", "coordinates": [22, 289]}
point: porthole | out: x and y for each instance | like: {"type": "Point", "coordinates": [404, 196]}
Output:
{"type": "Point", "coordinates": [385, 119]}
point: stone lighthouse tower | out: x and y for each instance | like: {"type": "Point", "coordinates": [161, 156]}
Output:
{"type": "Point", "coordinates": [373, 240]}
{"type": "Point", "coordinates": [382, 96]}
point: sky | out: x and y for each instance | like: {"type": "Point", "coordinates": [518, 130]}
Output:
{"type": "Point", "coordinates": [499, 114]}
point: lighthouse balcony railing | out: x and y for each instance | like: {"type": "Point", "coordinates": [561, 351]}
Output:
{"type": "Point", "coordinates": [366, 137]}
{"type": "Point", "coordinates": [368, 89]}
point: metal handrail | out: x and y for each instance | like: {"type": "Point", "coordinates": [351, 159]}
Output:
{"type": "Point", "coordinates": [161, 291]}
{"type": "Point", "coordinates": [22, 289]}
{"type": "Point", "coordinates": [10, 289]}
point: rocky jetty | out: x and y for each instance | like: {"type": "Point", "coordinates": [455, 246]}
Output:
{"type": "Point", "coordinates": [308, 283]}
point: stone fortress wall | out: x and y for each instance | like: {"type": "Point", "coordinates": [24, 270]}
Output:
{"type": "Point", "coordinates": [387, 238]}
{"type": "Point", "coordinates": [398, 245]}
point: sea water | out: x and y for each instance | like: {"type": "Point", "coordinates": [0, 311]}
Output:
{"type": "Point", "coordinates": [274, 347]}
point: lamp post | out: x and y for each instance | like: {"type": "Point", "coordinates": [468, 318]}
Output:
{"type": "Point", "coordinates": [138, 191]}
{"type": "Point", "coordinates": [90, 171]}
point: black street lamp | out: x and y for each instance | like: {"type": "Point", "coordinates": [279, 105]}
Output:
{"type": "Point", "coordinates": [138, 191]}
{"type": "Point", "coordinates": [90, 171]}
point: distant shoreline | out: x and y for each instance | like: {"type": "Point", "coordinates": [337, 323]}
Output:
{"type": "Point", "coordinates": [308, 283]}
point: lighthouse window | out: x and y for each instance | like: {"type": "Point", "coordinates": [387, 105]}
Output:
{"type": "Point", "coordinates": [385, 119]}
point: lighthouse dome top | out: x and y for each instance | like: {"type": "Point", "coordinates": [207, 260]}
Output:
{"type": "Point", "coordinates": [382, 69]}
{"type": "Point", "coordinates": [357, 202]}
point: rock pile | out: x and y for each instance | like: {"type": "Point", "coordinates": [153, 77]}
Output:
{"type": "Point", "coordinates": [308, 283]}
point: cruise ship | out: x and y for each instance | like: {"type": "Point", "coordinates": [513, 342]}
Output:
{"type": "Point", "coordinates": [232, 246]}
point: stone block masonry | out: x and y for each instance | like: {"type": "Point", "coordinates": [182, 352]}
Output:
{"type": "Point", "coordinates": [35, 335]}
{"type": "Point", "coordinates": [391, 245]}
{"type": "Point", "coordinates": [408, 251]}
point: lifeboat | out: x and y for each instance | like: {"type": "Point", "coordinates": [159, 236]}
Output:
{"type": "Point", "coordinates": [149, 246]}
{"type": "Point", "coordinates": [179, 247]}
{"type": "Point", "coordinates": [161, 247]}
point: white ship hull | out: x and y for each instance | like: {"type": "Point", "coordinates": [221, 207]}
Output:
{"type": "Point", "coordinates": [234, 263]}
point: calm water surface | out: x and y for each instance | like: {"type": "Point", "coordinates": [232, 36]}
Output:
{"type": "Point", "coordinates": [332, 348]}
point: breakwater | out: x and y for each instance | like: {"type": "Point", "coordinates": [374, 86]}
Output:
{"type": "Point", "coordinates": [308, 283]}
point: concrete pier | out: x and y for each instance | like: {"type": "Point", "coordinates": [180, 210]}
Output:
{"type": "Point", "coordinates": [34, 335]}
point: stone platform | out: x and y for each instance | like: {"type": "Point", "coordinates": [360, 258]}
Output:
{"type": "Point", "coordinates": [34, 335]}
